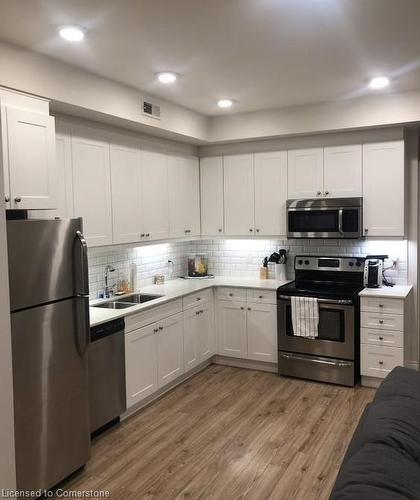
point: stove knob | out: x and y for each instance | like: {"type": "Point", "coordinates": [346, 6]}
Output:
{"type": "Point", "coordinates": [306, 262]}
{"type": "Point", "coordinates": [300, 262]}
{"type": "Point", "coordinates": [351, 264]}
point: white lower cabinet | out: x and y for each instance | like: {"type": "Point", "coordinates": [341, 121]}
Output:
{"type": "Point", "coordinates": [199, 335]}
{"type": "Point", "coordinates": [248, 329]}
{"type": "Point", "coordinates": [261, 328]}
{"type": "Point", "coordinates": [231, 331]}
{"type": "Point", "coordinates": [141, 364]}
{"type": "Point", "coordinates": [170, 349]}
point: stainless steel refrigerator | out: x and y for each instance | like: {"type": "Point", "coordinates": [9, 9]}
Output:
{"type": "Point", "coordinates": [50, 337]}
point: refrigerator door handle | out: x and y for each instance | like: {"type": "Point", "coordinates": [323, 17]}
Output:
{"type": "Point", "coordinates": [82, 321]}
{"type": "Point", "coordinates": [82, 279]}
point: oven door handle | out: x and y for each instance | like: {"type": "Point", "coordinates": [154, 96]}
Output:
{"type": "Point", "coordinates": [340, 221]}
{"type": "Point", "coordinates": [341, 364]}
{"type": "Point", "coordinates": [323, 301]}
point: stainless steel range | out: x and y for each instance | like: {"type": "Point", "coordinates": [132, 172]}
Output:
{"type": "Point", "coordinates": [332, 356]}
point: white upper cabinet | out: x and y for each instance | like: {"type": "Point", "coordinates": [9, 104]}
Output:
{"type": "Point", "coordinates": [239, 195]}
{"type": "Point", "coordinates": [31, 159]}
{"type": "Point", "coordinates": [343, 171]}
{"type": "Point", "coordinates": [126, 193]}
{"type": "Point", "coordinates": [305, 173]}
{"type": "Point", "coordinates": [270, 193]}
{"type": "Point", "coordinates": [211, 184]}
{"type": "Point", "coordinates": [154, 195]}
{"type": "Point", "coordinates": [383, 188]}
{"type": "Point", "coordinates": [92, 186]}
{"type": "Point", "coordinates": [184, 196]}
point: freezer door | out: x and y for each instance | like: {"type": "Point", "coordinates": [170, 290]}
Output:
{"type": "Point", "coordinates": [51, 397]}
{"type": "Point", "coordinates": [47, 261]}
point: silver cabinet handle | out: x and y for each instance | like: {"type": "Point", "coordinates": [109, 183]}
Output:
{"type": "Point", "coordinates": [242, 308]}
{"type": "Point", "coordinates": [380, 305]}
{"type": "Point", "coordinates": [326, 193]}
{"type": "Point", "coordinates": [381, 321]}
{"type": "Point", "coordinates": [7, 199]}
{"type": "Point", "coordinates": [142, 235]}
{"type": "Point", "coordinates": [220, 230]}
{"type": "Point", "coordinates": [366, 231]}
{"type": "Point", "coordinates": [198, 298]}
{"type": "Point", "coordinates": [197, 313]}
{"type": "Point", "coordinates": [257, 230]}
{"type": "Point", "coordinates": [187, 231]}
{"type": "Point", "coordinates": [155, 330]}
{"type": "Point", "coordinates": [147, 235]}
{"type": "Point", "coordinates": [251, 230]}
{"type": "Point", "coordinates": [381, 338]}
{"type": "Point", "coordinates": [323, 301]}
{"type": "Point", "coordinates": [18, 199]}
{"type": "Point", "coordinates": [161, 328]}
{"type": "Point", "coordinates": [260, 296]}
{"type": "Point", "coordinates": [231, 295]}
{"type": "Point", "coordinates": [248, 308]}
{"type": "Point", "coordinates": [339, 364]}
{"type": "Point", "coordinates": [318, 193]}
{"type": "Point", "coordinates": [380, 362]}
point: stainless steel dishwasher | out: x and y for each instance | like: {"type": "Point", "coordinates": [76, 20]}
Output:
{"type": "Point", "coordinates": [106, 373]}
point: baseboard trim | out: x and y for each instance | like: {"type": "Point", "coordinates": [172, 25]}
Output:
{"type": "Point", "coordinates": [161, 392]}
{"type": "Point", "coordinates": [412, 364]}
{"type": "Point", "coordinates": [371, 382]}
{"type": "Point", "coordinates": [245, 363]}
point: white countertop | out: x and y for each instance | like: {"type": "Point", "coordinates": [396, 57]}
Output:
{"type": "Point", "coordinates": [392, 292]}
{"type": "Point", "coordinates": [174, 289]}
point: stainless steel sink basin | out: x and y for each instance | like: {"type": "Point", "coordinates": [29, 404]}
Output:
{"type": "Point", "coordinates": [139, 298]}
{"type": "Point", "coordinates": [123, 303]}
{"type": "Point", "coordinates": [114, 305]}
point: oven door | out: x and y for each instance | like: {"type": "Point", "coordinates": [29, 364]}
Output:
{"type": "Point", "coordinates": [324, 222]}
{"type": "Point", "coordinates": [336, 331]}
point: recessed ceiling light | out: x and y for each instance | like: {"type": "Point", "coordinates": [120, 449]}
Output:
{"type": "Point", "coordinates": [380, 82]}
{"type": "Point", "coordinates": [72, 33]}
{"type": "Point", "coordinates": [225, 103]}
{"type": "Point", "coordinates": [167, 77]}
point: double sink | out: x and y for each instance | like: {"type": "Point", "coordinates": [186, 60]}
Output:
{"type": "Point", "coordinates": [131, 301]}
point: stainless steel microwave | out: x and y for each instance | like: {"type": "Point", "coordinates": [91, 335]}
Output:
{"type": "Point", "coordinates": [325, 218]}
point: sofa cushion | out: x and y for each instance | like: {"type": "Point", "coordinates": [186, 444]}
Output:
{"type": "Point", "coordinates": [378, 472]}
{"type": "Point", "coordinates": [401, 382]}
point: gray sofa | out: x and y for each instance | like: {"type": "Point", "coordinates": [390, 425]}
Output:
{"type": "Point", "coordinates": [382, 461]}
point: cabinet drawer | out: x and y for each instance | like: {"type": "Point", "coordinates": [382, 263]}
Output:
{"type": "Point", "coordinates": [261, 296]}
{"type": "Point", "coordinates": [378, 361]}
{"type": "Point", "coordinates": [387, 338]}
{"type": "Point", "coordinates": [376, 304]}
{"type": "Point", "coordinates": [231, 293]}
{"type": "Point", "coordinates": [382, 321]}
{"type": "Point", "coordinates": [197, 298]}
{"type": "Point", "coordinates": [138, 320]}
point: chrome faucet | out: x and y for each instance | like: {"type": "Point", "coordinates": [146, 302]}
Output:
{"type": "Point", "coordinates": [108, 289]}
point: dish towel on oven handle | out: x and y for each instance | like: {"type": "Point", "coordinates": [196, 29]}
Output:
{"type": "Point", "coordinates": [305, 316]}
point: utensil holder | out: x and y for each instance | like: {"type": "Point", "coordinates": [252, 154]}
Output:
{"type": "Point", "coordinates": [280, 272]}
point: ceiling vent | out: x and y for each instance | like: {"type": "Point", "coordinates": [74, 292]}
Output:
{"type": "Point", "coordinates": [150, 108]}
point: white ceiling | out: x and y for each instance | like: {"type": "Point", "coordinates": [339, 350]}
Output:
{"type": "Point", "coordinates": [261, 53]}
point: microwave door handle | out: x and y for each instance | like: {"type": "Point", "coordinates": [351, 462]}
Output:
{"type": "Point", "coordinates": [340, 221]}
{"type": "Point", "coordinates": [82, 279]}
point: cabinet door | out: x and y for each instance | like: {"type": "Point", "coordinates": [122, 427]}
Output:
{"type": "Point", "coordinates": [343, 171]}
{"type": "Point", "coordinates": [262, 332]}
{"type": "Point", "coordinates": [305, 173]}
{"type": "Point", "coordinates": [31, 159]}
{"type": "Point", "coordinates": [239, 195]}
{"type": "Point", "coordinates": [170, 349]}
{"type": "Point", "coordinates": [231, 331]}
{"type": "Point", "coordinates": [184, 202]}
{"type": "Point", "coordinates": [383, 189]}
{"type": "Point", "coordinates": [125, 188]}
{"type": "Point", "coordinates": [270, 193]}
{"type": "Point", "coordinates": [191, 353]}
{"type": "Point", "coordinates": [92, 187]}
{"type": "Point", "coordinates": [211, 182]}
{"type": "Point", "coordinates": [141, 364]}
{"type": "Point", "coordinates": [206, 332]}
{"type": "Point", "coordinates": [154, 195]}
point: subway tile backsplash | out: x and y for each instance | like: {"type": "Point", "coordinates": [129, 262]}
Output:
{"type": "Point", "coordinates": [227, 257]}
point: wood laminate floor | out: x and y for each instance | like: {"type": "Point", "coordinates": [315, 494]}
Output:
{"type": "Point", "coordinates": [229, 433]}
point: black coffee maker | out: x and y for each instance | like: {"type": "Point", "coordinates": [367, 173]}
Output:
{"type": "Point", "coordinates": [374, 269]}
